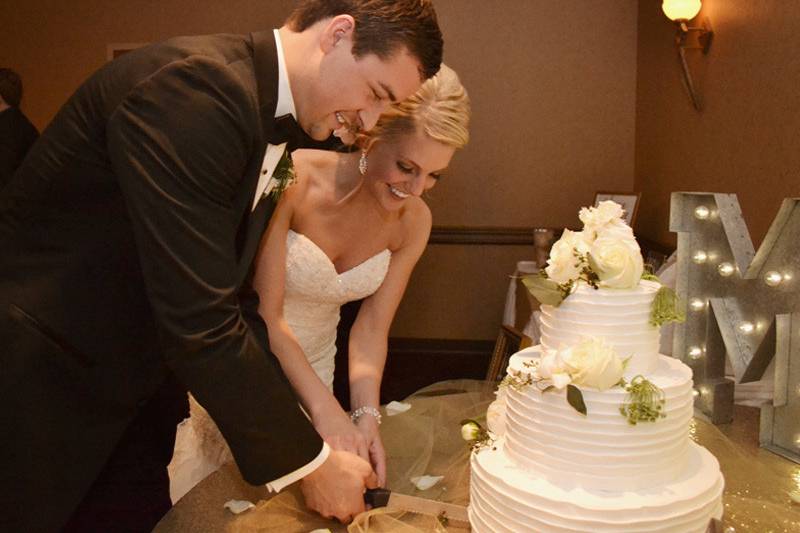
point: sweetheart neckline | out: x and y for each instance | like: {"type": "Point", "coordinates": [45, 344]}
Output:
{"type": "Point", "coordinates": [331, 263]}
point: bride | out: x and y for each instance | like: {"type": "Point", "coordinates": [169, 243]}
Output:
{"type": "Point", "coordinates": [352, 226]}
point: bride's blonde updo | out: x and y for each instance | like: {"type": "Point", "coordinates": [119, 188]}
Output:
{"type": "Point", "coordinates": [440, 108]}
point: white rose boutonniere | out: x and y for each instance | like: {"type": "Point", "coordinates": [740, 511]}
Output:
{"type": "Point", "coordinates": [616, 259]}
{"type": "Point", "coordinates": [594, 363]}
{"type": "Point", "coordinates": [563, 266]}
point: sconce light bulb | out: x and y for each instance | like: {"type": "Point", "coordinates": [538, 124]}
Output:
{"type": "Point", "coordinates": [773, 278]}
{"type": "Point", "coordinates": [681, 9]}
{"type": "Point", "coordinates": [697, 304]}
{"type": "Point", "coordinates": [695, 393]}
{"type": "Point", "coordinates": [700, 257]}
{"type": "Point", "coordinates": [747, 327]}
{"type": "Point", "coordinates": [701, 212]}
{"type": "Point", "coordinates": [726, 269]}
{"type": "Point", "coordinates": [695, 353]}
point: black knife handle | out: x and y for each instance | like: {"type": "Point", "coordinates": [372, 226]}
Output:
{"type": "Point", "coordinates": [377, 497]}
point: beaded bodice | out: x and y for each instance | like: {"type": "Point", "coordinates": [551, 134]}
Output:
{"type": "Point", "coordinates": [315, 291]}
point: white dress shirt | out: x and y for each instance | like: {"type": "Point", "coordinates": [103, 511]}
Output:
{"type": "Point", "coordinates": [265, 184]}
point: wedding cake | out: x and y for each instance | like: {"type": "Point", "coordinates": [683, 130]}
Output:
{"type": "Point", "coordinates": [590, 431]}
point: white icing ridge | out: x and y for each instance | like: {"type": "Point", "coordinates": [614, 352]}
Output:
{"type": "Point", "coordinates": [504, 498]}
{"type": "Point", "coordinates": [600, 451]}
{"type": "Point", "coordinates": [620, 316]}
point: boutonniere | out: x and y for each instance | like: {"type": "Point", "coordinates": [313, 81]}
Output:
{"type": "Point", "coordinates": [283, 176]}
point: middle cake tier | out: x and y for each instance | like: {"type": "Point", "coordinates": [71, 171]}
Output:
{"type": "Point", "coordinates": [621, 317]}
{"type": "Point", "coordinates": [600, 450]}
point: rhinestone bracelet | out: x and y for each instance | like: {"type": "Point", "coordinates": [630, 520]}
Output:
{"type": "Point", "coordinates": [365, 410]}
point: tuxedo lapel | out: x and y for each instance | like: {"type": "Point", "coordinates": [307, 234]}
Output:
{"type": "Point", "coordinates": [265, 65]}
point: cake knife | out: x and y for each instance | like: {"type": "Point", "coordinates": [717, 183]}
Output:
{"type": "Point", "coordinates": [414, 504]}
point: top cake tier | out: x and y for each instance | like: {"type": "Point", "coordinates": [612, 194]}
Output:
{"type": "Point", "coordinates": [621, 317]}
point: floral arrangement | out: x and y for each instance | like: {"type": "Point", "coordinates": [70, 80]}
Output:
{"type": "Point", "coordinates": [603, 254]}
{"type": "Point", "coordinates": [590, 363]}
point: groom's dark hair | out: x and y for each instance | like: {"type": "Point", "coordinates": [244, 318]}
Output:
{"type": "Point", "coordinates": [382, 26]}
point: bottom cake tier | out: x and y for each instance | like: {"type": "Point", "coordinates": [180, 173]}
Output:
{"type": "Point", "coordinates": [505, 498]}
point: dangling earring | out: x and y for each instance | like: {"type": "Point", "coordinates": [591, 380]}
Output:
{"type": "Point", "coordinates": [362, 163]}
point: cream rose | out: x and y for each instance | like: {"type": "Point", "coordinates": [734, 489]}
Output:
{"type": "Point", "coordinates": [470, 431]}
{"type": "Point", "coordinates": [496, 417]}
{"type": "Point", "coordinates": [594, 218]}
{"type": "Point", "coordinates": [593, 363]}
{"type": "Point", "coordinates": [561, 266]}
{"type": "Point", "coordinates": [553, 368]}
{"type": "Point", "coordinates": [618, 229]}
{"type": "Point", "coordinates": [616, 259]}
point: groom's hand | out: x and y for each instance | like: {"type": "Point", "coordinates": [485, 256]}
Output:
{"type": "Point", "coordinates": [336, 489]}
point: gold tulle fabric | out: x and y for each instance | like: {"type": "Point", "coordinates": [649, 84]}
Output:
{"type": "Point", "coordinates": [426, 440]}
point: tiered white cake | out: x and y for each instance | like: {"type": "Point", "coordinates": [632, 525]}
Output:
{"type": "Point", "coordinates": [552, 469]}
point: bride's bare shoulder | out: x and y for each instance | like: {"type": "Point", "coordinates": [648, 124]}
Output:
{"type": "Point", "coordinates": [414, 224]}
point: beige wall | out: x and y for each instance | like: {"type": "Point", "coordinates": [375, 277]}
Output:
{"type": "Point", "coordinates": [746, 140]}
{"type": "Point", "coordinates": [55, 45]}
{"type": "Point", "coordinates": [553, 86]}
{"type": "Point", "coordinates": [554, 92]}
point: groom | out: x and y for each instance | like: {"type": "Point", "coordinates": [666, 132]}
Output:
{"type": "Point", "coordinates": [126, 241]}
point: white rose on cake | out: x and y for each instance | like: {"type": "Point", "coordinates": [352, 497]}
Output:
{"type": "Point", "coordinates": [553, 368]}
{"type": "Point", "coordinates": [616, 258]}
{"type": "Point", "coordinates": [562, 266]}
{"type": "Point", "coordinates": [496, 413]}
{"type": "Point", "coordinates": [595, 218]}
{"type": "Point", "coordinates": [593, 363]}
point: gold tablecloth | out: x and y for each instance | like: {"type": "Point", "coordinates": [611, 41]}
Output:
{"type": "Point", "coordinates": [426, 440]}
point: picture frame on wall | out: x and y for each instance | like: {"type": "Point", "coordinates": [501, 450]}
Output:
{"type": "Point", "coordinates": [628, 200]}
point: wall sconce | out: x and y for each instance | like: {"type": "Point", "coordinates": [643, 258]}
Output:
{"type": "Point", "coordinates": [681, 12]}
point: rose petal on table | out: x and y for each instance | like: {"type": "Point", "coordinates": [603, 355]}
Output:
{"type": "Point", "coordinates": [395, 408]}
{"type": "Point", "coordinates": [238, 506]}
{"type": "Point", "coordinates": [426, 482]}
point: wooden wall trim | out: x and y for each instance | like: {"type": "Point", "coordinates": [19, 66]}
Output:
{"type": "Point", "coordinates": [503, 236]}
{"type": "Point", "coordinates": [414, 363]}
{"type": "Point", "coordinates": [457, 347]}
{"type": "Point", "coordinates": [482, 235]}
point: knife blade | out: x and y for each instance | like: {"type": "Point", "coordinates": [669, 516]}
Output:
{"type": "Point", "coordinates": [395, 501]}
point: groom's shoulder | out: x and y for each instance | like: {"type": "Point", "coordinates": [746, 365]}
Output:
{"type": "Point", "coordinates": [221, 47]}
{"type": "Point", "coordinates": [227, 51]}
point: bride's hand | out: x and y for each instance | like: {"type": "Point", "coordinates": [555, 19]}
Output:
{"type": "Point", "coordinates": [368, 426]}
{"type": "Point", "coordinates": [336, 428]}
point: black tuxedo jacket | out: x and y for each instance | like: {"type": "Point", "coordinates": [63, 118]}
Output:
{"type": "Point", "coordinates": [126, 240]}
{"type": "Point", "coordinates": [17, 134]}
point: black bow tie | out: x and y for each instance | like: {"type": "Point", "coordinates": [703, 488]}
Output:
{"type": "Point", "coordinates": [287, 130]}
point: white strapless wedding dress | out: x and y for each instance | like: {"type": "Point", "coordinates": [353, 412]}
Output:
{"type": "Point", "coordinates": [314, 293]}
